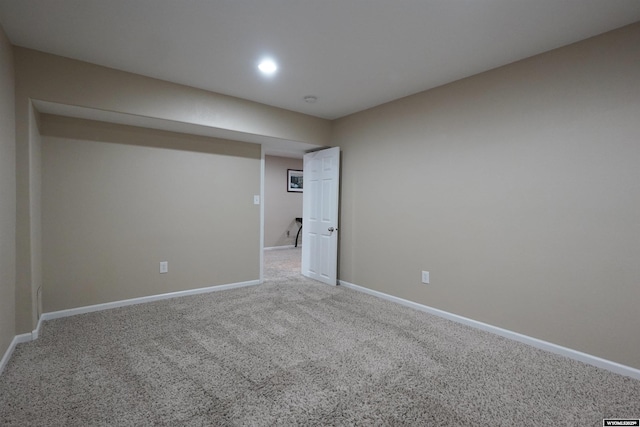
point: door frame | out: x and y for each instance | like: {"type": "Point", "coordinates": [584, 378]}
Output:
{"type": "Point", "coordinates": [262, 196]}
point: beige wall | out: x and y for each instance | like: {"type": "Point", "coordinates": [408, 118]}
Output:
{"type": "Point", "coordinates": [280, 206]}
{"type": "Point", "coordinates": [516, 188]}
{"type": "Point", "coordinates": [61, 80]}
{"type": "Point", "coordinates": [55, 79]}
{"type": "Point", "coordinates": [7, 195]}
{"type": "Point", "coordinates": [117, 200]}
{"type": "Point", "coordinates": [29, 249]}
{"type": "Point", "coordinates": [35, 211]}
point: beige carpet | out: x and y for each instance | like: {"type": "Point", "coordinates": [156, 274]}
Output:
{"type": "Point", "coordinates": [294, 352]}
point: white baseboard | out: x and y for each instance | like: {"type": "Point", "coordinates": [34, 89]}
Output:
{"type": "Point", "coordinates": [7, 354]}
{"type": "Point", "coordinates": [36, 332]}
{"type": "Point", "coordinates": [141, 300]}
{"type": "Point", "coordinates": [109, 305]}
{"type": "Point", "coordinates": [534, 342]}
{"type": "Point", "coordinates": [275, 248]}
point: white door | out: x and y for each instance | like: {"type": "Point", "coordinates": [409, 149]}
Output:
{"type": "Point", "coordinates": [320, 215]}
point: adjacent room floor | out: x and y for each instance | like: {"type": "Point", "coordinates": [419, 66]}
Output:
{"type": "Point", "coordinates": [282, 263]}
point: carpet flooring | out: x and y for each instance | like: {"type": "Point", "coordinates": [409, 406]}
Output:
{"type": "Point", "coordinates": [295, 352]}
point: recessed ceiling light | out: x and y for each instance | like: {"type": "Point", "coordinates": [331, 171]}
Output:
{"type": "Point", "coordinates": [310, 99]}
{"type": "Point", "coordinates": [268, 67]}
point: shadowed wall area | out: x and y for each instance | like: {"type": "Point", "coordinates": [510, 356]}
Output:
{"type": "Point", "coordinates": [7, 195]}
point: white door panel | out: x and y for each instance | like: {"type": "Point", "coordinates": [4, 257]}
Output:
{"type": "Point", "coordinates": [320, 215]}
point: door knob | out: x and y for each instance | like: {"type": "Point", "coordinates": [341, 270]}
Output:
{"type": "Point", "coordinates": [331, 229]}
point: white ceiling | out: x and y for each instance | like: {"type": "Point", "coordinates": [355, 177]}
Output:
{"type": "Point", "coordinates": [351, 54]}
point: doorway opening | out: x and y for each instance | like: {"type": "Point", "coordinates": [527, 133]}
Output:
{"type": "Point", "coordinates": [282, 210]}
{"type": "Point", "coordinates": [318, 211]}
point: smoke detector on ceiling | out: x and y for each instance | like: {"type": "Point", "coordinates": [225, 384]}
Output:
{"type": "Point", "coordinates": [310, 99]}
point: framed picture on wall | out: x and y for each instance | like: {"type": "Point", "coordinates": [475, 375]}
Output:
{"type": "Point", "coordinates": [294, 181]}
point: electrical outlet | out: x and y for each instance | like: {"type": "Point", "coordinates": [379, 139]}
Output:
{"type": "Point", "coordinates": [425, 277]}
{"type": "Point", "coordinates": [164, 267]}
